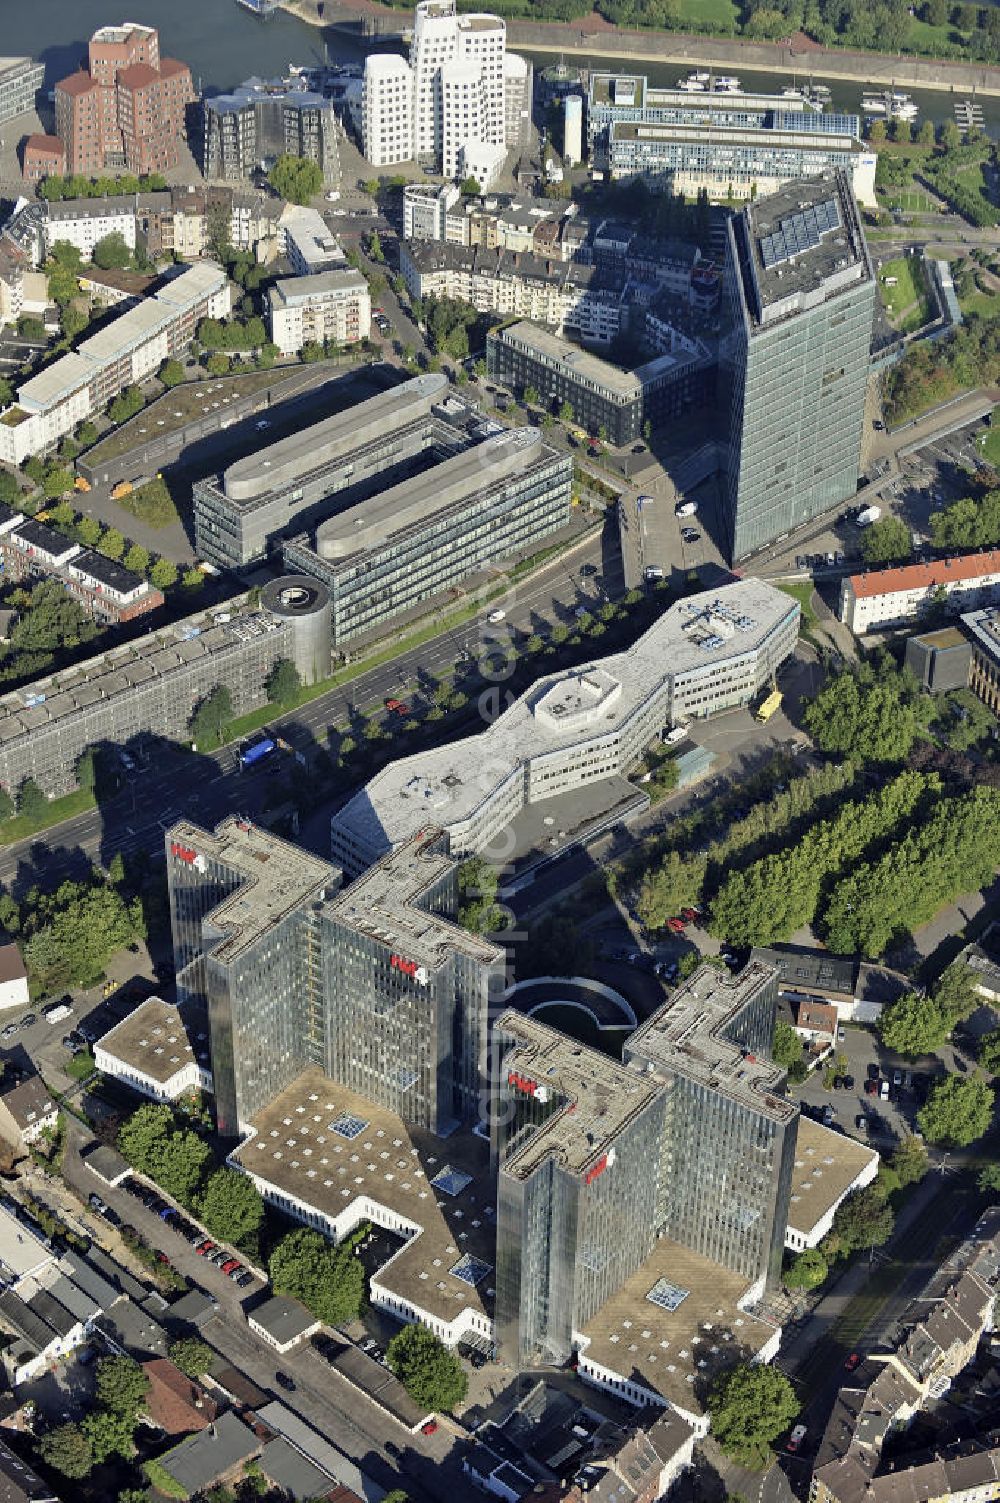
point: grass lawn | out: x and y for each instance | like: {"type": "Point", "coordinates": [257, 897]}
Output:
{"type": "Point", "coordinates": [971, 177]}
{"type": "Point", "coordinates": [81, 1066]}
{"type": "Point", "coordinates": [907, 304]}
{"type": "Point", "coordinates": [721, 13]}
{"type": "Point", "coordinates": [151, 503]}
{"type": "Point", "coordinates": [803, 593]}
{"type": "Point", "coordinates": [989, 445]}
{"type": "Point", "coordinates": [20, 827]}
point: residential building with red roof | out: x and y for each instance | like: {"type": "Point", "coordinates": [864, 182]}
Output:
{"type": "Point", "coordinates": [126, 110]}
{"type": "Point", "coordinates": [175, 1402]}
{"type": "Point", "coordinates": [883, 598]}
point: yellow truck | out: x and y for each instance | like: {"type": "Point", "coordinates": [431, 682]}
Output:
{"type": "Point", "coordinates": [123, 488]}
{"type": "Point", "coordinates": [770, 706]}
{"type": "Point", "coordinates": [79, 484]}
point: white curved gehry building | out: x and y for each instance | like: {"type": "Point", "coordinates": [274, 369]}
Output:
{"type": "Point", "coordinates": [711, 652]}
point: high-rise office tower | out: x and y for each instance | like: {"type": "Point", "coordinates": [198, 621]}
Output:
{"type": "Point", "coordinates": [688, 1139]}
{"type": "Point", "coordinates": [794, 357]}
{"type": "Point", "coordinates": [376, 985]}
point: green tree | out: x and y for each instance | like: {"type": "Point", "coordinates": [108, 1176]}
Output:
{"type": "Point", "coordinates": [283, 683]}
{"type": "Point", "coordinates": [112, 253]}
{"type": "Point", "coordinates": [171, 373]}
{"type": "Point", "coordinates": [674, 884]}
{"type": "Point", "coordinates": [86, 434]}
{"type": "Point", "coordinates": [863, 1219]}
{"type": "Point", "coordinates": [57, 482]}
{"type": "Point", "coordinates": [192, 579]}
{"type": "Point", "coordinates": [989, 1052]}
{"type": "Point", "coordinates": [989, 1178]}
{"type": "Point", "coordinates": [565, 412]}
{"type": "Point", "coordinates": [67, 1450]}
{"type": "Point", "coordinates": [925, 135]}
{"type": "Point", "coordinates": [231, 1207]}
{"type": "Point", "coordinates": [328, 1280]}
{"type": "Point", "coordinates": [955, 993]}
{"type": "Point", "coordinates": [873, 712]}
{"type": "Point", "coordinates": [296, 178]}
{"type": "Point", "coordinates": [910, 1160]}
{"type": "Point", "coordinates": [142, 1136]}
{"type": "Point", "coordinates": [31, 801]}
{"type": "Point", "coordinates": [958, 1110]}
{"type": "Point", "coordinates": [6, 812]}
{"type": "Point", "coordinates": [786, 1050]}
{"type": "Point", "coordinates": [192, 1356]}
{"type": "Point", "coordinates": [88, 531]}
{"type": "Point", "coordinates": [914, 1025]}
{"type": "Point", "coordinates": [886, 542]}
{"type": "Point", "coordinates": [10, 491]}
{"type": "Point", "coordinates": [120, 1385]}
{"type": "Point", "coordinates": [430, 1372]}
{"type": "Point", "coordinates": [469, 187]}
{"type": "Point", "coordinates": [137, 559]}
{"type": "Point", "coordinates": [30, 327]}
{"type": "Point", "coordinates": [109, 1433]}
{"type": "Point", "coordinates": [163, 574]}
{"type": "Point", "coordinates": [126, 405]}
{"type": "Point", "coordinates": [77, 932]}
{"type": "Point", "coordinates": [751, 1405]}
{"type": "Point", "coordinates": [73, 320]}
{"type": "Point", "coordinates": [311, 351]}
{"type": "Point", "coordinates": [217, 364]}
{"type": "Point", "coordinates": [211, 716]}
{"type": "Point", "coordinates": [809, 1269]}
{"type": "Point", "coordinates": [112, 544]}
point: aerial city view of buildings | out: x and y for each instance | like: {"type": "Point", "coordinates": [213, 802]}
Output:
{"type": "Point", "coordinates": [499, 693]}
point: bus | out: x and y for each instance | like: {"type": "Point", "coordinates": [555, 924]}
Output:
{"type": "Point", "coordinates": [770, 706]}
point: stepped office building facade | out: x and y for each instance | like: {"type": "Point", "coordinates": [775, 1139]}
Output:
{"type": "Point", "coordinates": [711, 652]}
{"type": "Point", "coordinates": [688, 1139]}
{"type": "Point", "coordinates": [375, 985]}
{"type": "Point", "coordinates": [799, 301]}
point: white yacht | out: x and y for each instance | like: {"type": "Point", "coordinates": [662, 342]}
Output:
{"type": "Point", "coordinates": [726, 84]}
{"type": "Point", "coordinates": [694, 83]}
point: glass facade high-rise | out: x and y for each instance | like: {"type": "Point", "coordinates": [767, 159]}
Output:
{"type": "Point", "coordinates": [799, 301]}
{"type": "Point", "coordinates": [689, 1138]}
{"type": "Point", "coordinates": [375, 985]}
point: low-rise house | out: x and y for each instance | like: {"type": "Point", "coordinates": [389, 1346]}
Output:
{"type": "Point", "coordinates": [214, 1455]}
{"type": "Point", "coordinates": [882, 598]}
{"type": "Point", "coordinates": [828, 1167]}
{"type": "Point", "coordinates": [13, 978]}
{"type": "Point", "coordinates": [643, 1470]}
{"type": "Point", "coordinates": [175, 1402]}
{"type": "Point", "coordinates": [816, 1023]}
{"type": "Point", "coordinates": [858, 990]}
{"type": "Point", "coordinates": [26, 1110]}
{"type": "Point", "coordinates": [282, 1322]}
{"type": "Point", "coordinates": [19, 1483]}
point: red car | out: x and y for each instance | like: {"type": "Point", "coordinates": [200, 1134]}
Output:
{"type": "Point", "coordinates": [430, 1428]}
{"type": "Point", "coordinates": [397, 707]}
{"type": "Point", "coordinates": [229, 1265]}
{"type": "Point", "coordinates": [853, 1361]}
{"type": "Point", "coordinates": [675, 925]}
{"type": "Point", "coordinates": [871, 1087]}
{"type": "Point", "coordinates": [204, 1248]}
{"type": "Point", "coordinates": [691, 914]}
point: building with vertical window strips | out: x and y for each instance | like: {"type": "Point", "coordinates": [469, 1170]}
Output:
{"type": "Point", "coordinates": [333, 305]}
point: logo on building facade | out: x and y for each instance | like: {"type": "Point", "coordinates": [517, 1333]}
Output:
{"type": "Point", "coordinates": [186, 854]}
{"type": "Point", "coordinates": [417, 973]}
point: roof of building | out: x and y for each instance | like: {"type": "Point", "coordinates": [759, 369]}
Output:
{"type": "Point", "coordinates": [580, 364]}
{"type": "Point", "coordinates": [800, 246]}
{"type": "Point", "coordinates": [77, 83]}
{"type": "Point", "coordinates": [135, 283]}
{"type": "Point", "coordinates": [45, 145]}
{"type": "Point", "coordinates": [385, 903]}
{"type": "Point", "coordinates": [942, 639]}
{"type": "Point", "coordinates": [289, 292]}
{"type": "Point", "coordinates": [819, 1016]}
{"type": "Point", "coordinates": [107, 573]}
{"type": "Point", "coordinates": [107, 1163]}
{"type": "Point", "coordinates": [283, 1421]}
{"type": "Point", "coordinates": [28, 1101]}
{"type": "Point", "coordinates": [801, 969]}
{"type": "Point", "coordinates": [984, 627]}
{"type": "Point", "coordinates": [158, 1039]}
{"type": "Point", "coordinates": [675, 1352]}
{"type": "Point", "coordinates": [446, 784]}
{"type": "Point", "coordinates": [137, 76]}
{"type": "Point", "coordinates": [694, 1035]}
{"type": "Point", "coordinates": [376, 1380]}
{"type": "Point", "coordinates": [418, 498]}
{"type": "Point", "coordinates": [175, 1401]}
{"type": "Point", "coordinates": [278, 877]}
{"type": "Point", "coordinates": [298, 1146]}
{"type": "Point", "coordinates": [282, 1318]}
{"type": "Point", "coordinates": [941, 571]}
{"type": "Point", "coordinates": [292, 1473]}
{"type": "Point", "coordinates": [827, 1165]}
{"type": "Point", "coordinates": [203, 1458]}
{"type": "Point", "coordinates": [20, 1250]}
{"type": "Point", "coordinates": [121, 206]}
{"type": "Point", "coordinates": [18, 1483]}
{"type": "Point", "coordinates": [322, 444]}
{"type": "Point", "coordinates": [133, 1329]}
{"type": "Point", "coordinates": [45, 539]}
{"type": "Point", "coordinates": [598, 1097]}
{"type": "Point", "coordinates": [11, 964]}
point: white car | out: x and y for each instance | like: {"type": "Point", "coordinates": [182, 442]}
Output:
{"type": "Point", "coordinates": [495, 617]}
{"type": "Point", "coordinates": [652, 572]}
{"type": "Point", "coordinates": [686, 509]}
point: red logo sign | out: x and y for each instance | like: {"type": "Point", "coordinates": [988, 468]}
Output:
{"type": "Point", "coordinates": [597, 1170]}
{"type": "Point", "coordinates": [183, 852]}
{"type": "Point", "coordinates": [522, 1083]}
{"type": "Point", "coordinates": [408, 967]}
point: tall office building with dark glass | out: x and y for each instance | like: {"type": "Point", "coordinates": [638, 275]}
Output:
{"type": "Point", "coordinates": [799, 301]}
{"type": "Point", "coordinates": [376, 985]}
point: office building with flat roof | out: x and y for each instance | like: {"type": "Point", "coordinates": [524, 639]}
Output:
{"type": "Point", "coordinates": [710, 652]}
{"type": "Point", "coordinates": [601, 395]}
{"type": "Point", "coordinates": [377, 985]}
{"type": "Point", "coordinates": [20, 80]}
{"type": "Point", "coordinates": [262, 120]}
{"type": "Point", "coordinates": [828, 1166]}
{"type": "Point", "coordinates": [884, 598]}
{"type": "Point", "coordinates": [983, 631]}
{"type": "Point", "coordinates": [799, 300]}
{"type": "Point", "coordinates": [159, 1050]}
{"type": "Point", "coordinates": [732, 146]}
{"type": "Point", "coordinates": [333, 306]}
{"type": "Point", "coordinates": [127, 350]}
{"type": "Point", "coordinates": [146, 690]}
{"type": "Point", "coordinates": [730, 1131]}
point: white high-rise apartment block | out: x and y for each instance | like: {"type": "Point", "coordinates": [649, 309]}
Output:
{"type": "Point", "coordinates": [456, 85]}
{"type": "Point", "coordinates": [387, 110]}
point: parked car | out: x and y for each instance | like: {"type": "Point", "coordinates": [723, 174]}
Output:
{"type": "Point", "coordinates": [883, 1090]}
{"type": "Point", "coordinates": [243, 1279]}
{"type": "Point", "coordinates": [28, 1019]}
{"type": "Point", "coordinates": [284, 1381]}
{"type": "Point", "coordinates": [228, 1266]}
{"type": "Point", "coordinates": [204, 1248]}
{"type": "Point", "coordinates": [495, 617]}
{"type": "Point", "coordinates": [796, 1438]}
{"type": "Point", "coordinates": [871, 1087]}
{"type": "Point", "coordinates": [853, 1361]}
{"type": "Point", "coordinates": [848, 1082]}
{"type": "Point", "coordinates": [98, 1205]}
{"type": "Point", "coordinates": [430, 1428]}
{"type": "Point", "coordinates": [861, 1123]}
{"type": "Point", "coordinates": [691, 914]}
{"type": "Point", "coordinates": [397, 707]}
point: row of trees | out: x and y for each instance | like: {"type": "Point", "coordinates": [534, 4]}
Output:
{"type": "Point", "coordinates": [170, 1152]}
{"type": "Point", "coordinates": [873, 712]}
{"type": "Point", "coordinates": [55, 188]}
{"type": "Point", "coordinates": [780, 893]}
{"type": "Point", "coordinates": [973, 522]}
{"type": "Point", "coordinates": [955, 849]}
{"type": "Point", "coordinates": [918, 1024]}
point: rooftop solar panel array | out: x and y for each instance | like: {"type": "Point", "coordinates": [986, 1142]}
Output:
{"type": "Point", "coordinates": [800, 232]}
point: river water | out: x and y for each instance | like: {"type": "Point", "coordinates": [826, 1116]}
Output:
{"type": "Point", "coordinates": [223, 44]}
